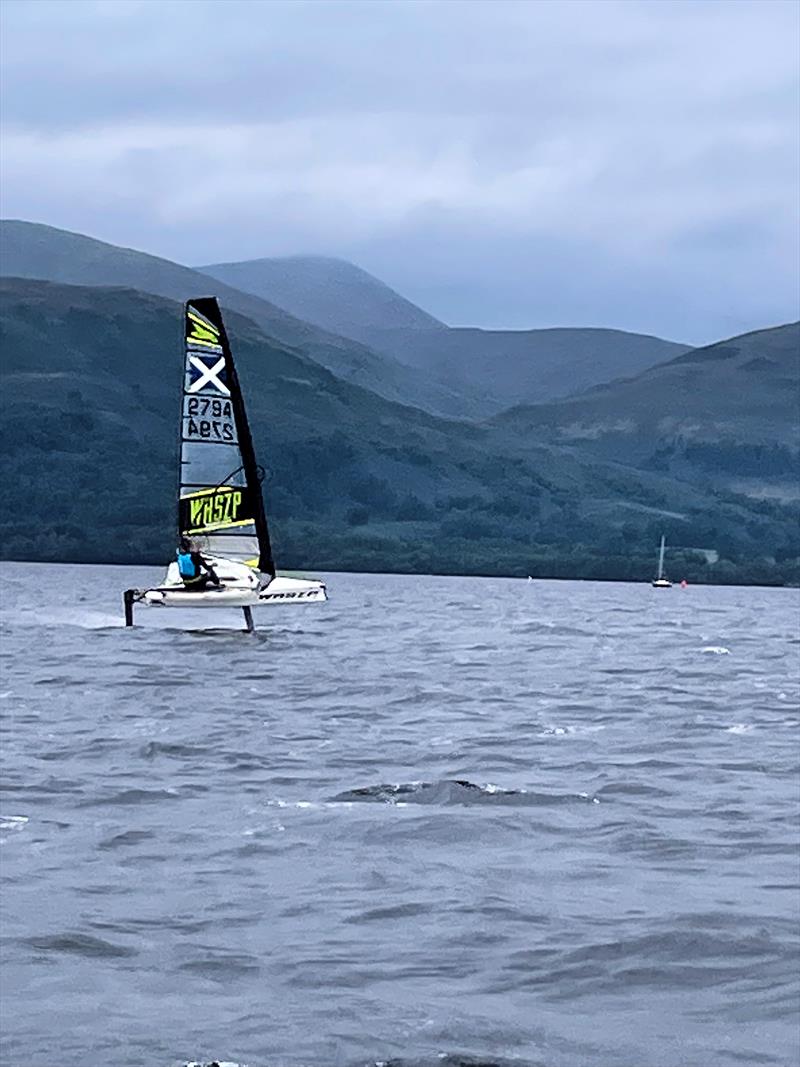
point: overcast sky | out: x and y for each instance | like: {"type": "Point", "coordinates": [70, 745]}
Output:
{"type": "Point", "coordinates": [628, 164]}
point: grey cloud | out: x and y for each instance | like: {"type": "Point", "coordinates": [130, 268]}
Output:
{"type": "Point", "coordinates": [77, 63]}
{"type": "Point", "coordinates": [633, 164]}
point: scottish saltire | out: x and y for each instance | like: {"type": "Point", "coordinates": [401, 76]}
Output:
{"type": "Point", "coordinates": [220, 501]}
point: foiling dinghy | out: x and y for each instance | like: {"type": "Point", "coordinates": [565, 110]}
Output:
{"type": "Point", "coordinates": [220, 506]}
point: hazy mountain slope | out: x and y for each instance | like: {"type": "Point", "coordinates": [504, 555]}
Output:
{"type": "Point", "coordinates": [31, 250]}
{"type": "Point", "coordinates": [506, 367]}
{"type": "Point", "coordinates": [88, 460]}
{"type": "Point", "coordinates": [460, 373]}
{"type": "Point", "coordinates": [728, 412]}
{"type": "Point", "coordinates": [331, 293]}
{"type": "Point", "coordinates": [529, 366]}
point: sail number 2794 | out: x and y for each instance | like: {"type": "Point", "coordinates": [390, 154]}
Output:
{"type": "Point", "coordinates": [210, 420]}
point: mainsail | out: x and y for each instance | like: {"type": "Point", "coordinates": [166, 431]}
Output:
{"type": "Point", "coordinates": [220, 500]}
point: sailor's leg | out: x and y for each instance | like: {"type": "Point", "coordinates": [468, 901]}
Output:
{"type": "Point", "coordinates": [209, 574]}
{"type": "Point", "coordinates": [248, 620]}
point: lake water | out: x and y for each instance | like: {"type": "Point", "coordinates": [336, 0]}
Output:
{"type": "Point", "coordinates": [435, 821]}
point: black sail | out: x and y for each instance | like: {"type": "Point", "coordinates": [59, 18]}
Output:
{"type": "Point", "coordinates": [220, 502]}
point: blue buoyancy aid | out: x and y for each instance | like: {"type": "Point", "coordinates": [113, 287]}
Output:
{"type": "Point", "coordinates": [186, 565]}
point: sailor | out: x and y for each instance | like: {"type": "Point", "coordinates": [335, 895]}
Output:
{"type": "Point", "coordinates": [192, 566]}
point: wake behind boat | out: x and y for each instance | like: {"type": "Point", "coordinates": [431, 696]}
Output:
{"type": "Point", "coordinates": [222, 524]}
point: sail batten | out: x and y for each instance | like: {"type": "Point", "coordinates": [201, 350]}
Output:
{"type": "Point", "coordinates": [220, 501]}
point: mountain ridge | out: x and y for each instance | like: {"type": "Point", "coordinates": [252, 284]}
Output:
{"type": "Point", "coordinates": [528, 363]}
{"type": "Point", "coordinates": [457, 372]}
{"type": "Point", "coordinates": [34, 250]}
{"type": "Point", "coordinates": [505, 365]}
{"type": "Point", "coordinates": [730, 410]}
{"type": "Point", "coordinates": [327, 291]}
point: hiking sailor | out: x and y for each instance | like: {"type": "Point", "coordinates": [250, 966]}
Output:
{"type": "Point", "coordinates": [195, 572]}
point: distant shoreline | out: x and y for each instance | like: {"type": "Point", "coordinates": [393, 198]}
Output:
{"type": "Point", "coordinates": [742, 583]}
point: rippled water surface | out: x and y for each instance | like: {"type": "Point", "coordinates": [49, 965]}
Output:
{"type": "Point", "coordinates": [542, 823]}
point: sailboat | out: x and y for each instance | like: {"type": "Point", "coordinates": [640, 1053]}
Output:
{"type": "Point", "coordinates": [661, 581]}
{"type": "Point", "coordinates": [220, 505]}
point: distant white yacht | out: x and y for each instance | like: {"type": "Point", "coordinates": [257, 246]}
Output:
{"type": "Point", "coordinates": [661, 581]}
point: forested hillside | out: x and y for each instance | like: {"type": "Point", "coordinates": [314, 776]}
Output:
{"type": "Point", "coordinates": [90, 389]}
{"type": "Point", "coordinates": [727, 415]}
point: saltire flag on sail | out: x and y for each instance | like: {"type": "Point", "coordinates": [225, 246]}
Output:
{"type": "Point", "coordinates": [220, 502]}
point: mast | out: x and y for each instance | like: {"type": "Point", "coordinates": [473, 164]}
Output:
{"type": "Point", "coordinates": [661, 559]}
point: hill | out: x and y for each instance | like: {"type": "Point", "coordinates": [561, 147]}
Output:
{"type": "Point", "coordinates": [490, 369]}
{"type": "Point", "coordinates": [524, 366]}
{"type": "Point", "coordinates": [363, 331]}
{"type": "Point", "coordinates": [31, 250]}
{"type": "Point", "coordinates": [727, 415]}
{"type": "Point", "coordinates": [332, 293]}
{"type": "Point", "coordinates": [88, 462]}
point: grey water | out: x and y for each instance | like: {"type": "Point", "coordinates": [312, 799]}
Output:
{"type": "Point", "coordinates": [434, 821]}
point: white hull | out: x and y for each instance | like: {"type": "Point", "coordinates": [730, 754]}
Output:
{"type": "Point", "coordinates": [240, 588]}
{"type": "Point", "coordinates": [661, 583]}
